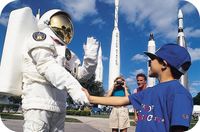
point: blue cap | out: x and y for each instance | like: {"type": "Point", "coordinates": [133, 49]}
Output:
{"type": "Point", "coordinates": [175, 55]}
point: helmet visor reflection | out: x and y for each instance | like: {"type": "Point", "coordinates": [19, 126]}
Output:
{"type": "Point", "coordinates": [62, 26]}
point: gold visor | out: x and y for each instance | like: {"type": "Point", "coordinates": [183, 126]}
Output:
{"type": "Point", "coordinates": [62, 26]}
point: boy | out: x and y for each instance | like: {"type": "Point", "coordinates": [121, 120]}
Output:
{"type": "Point", "coordinates": [166, 107]}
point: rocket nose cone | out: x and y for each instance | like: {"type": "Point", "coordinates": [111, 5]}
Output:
{"type": "Point", "coordinates": [151, 37]}
{"type": "Point", "coordinates": [116, 2]}
{"type": "Point", "coordinates": [180, 14]}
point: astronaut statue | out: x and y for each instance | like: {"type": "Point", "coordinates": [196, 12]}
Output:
{"type": "Point", "coordinates": [46, 82]}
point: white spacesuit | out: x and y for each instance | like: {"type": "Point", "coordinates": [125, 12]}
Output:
{"type": "Point", "coordinates": [46, 82]}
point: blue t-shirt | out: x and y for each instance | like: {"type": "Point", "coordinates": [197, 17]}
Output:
{"type": "Point", "coordinates": [162, 106]}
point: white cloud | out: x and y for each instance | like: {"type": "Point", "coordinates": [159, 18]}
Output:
{"type": "Point", "coordinates": [160, 15]}
{"type": "Point", "coordinates": [139, 57]}
{"type": "Point", "coordinates": [138, 71]}
{"type": "Point", "coordinates": [193, 88]}
{"type": "Point", "coordinates": [104, 58]}
{"type": "Point", "coordinates": [188, 8]}
{"type": "Point", "coordinates": [131, 80]}
{"type": "Point", "coordinates": [99, 22]}
{"type": "Point", "coordinates": [194, 53]}
{"type": "Point", "coordinates": [191, 32]}
{"type": "Point", "coordinates": [79, 8]}
{"type": "Point", "coordinates": [195, 83]}
{"type": "Point", "coordinates": [4, 19]}
{"type": "Point", "coordinates": [193, 91]}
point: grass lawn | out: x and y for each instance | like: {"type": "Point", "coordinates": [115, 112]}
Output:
{"type": "Point", "coordinates": [192, 124]}
{"type": "Point", "coordinates": [100, 116]}
{"type": "Point", "coordinates": [72, 120]}
{"type": "Point", "coordinates": [11, 116]}
{"type": "Point", "coordinates": [20, 117]}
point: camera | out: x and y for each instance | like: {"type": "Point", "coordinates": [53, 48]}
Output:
{"type": "Point", "coordinates": [119, 83]}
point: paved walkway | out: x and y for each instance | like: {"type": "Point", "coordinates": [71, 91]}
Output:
{"type": "Point", "coordinates": [16, 126]}
{"type": "Point", "coordinates": [101, 124]}
{"type": "Point", "coordinates": [89, 124]}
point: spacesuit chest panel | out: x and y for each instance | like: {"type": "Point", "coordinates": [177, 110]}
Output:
{"type": "Point", "coordinates": [72, 64]}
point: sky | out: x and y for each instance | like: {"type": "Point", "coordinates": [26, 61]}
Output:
{"type": "Point", "coordinates": [137, 19]}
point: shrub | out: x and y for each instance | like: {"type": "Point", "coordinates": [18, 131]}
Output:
{"type": "Point", "coordinates": [85, 113]}
{"type": "Point", "coordinates": [78, 112]}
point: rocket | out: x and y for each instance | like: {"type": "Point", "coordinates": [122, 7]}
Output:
{"type": "Point", "coordinates": [181, 41]}
{"type": "Point", "coordinates": [151, 48]}
{"type": "Point", "coordinates": [38, 15]}
{"type": "Point", "coordinates": [181, 37]}
{"type": "Point", "coordinates": [114, 63]}
{"type": "Point", "coordinates": [99, 69]}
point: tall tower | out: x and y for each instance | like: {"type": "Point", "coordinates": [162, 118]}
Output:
{"type": "Point", "coordinates": [151, 81]}
{"type": "Point", "coordinates": [114, 64]}
{"type": "Point", "coordinates": [181, 42]}
{"type": "Point", "coordinates": [99, 69]}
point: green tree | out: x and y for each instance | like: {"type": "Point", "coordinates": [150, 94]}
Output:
{"type": "Point", "coordinates": [196, 99]}
{"type": "Point", "coordinates": [15, 99]}
{"type": "Point", "coordinates": [69, 100]}
{"type": "Point", "coordinates": [94, 87]}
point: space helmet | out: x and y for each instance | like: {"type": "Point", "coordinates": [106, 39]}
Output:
{"type": "Point", "coordinates": [60, 23]}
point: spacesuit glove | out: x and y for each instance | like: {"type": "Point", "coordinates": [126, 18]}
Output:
{"type": "Point", "coordinates": [91, 47]}
{"type": "Point", "coordinates": [80, 98]}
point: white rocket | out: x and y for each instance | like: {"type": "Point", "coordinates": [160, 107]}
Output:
{"type": "Point", "coordinates": [38, 15]}
{"type": "Point", "coordinates": [151, 81]}
{"type": "Point", "coordinates": [181, 42]}
{"type": "Point", "coordinates": [114, 64]}
{"type": "Point", "coordinates": [99, 69]}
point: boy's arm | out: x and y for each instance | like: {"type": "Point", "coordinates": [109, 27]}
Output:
{"type": "Point", "coordinates": [115, 101]}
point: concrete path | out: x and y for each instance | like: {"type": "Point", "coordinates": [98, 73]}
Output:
{"type": "Point", "coordinates": [16, 126]}
{"type": "Point", "coordinates": [89, 124]}
{"type": "Point", "coordinates": [101, 124]}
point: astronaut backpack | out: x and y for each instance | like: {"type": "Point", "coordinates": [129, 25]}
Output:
{"type": "Point", "coordinates": [22, 23]}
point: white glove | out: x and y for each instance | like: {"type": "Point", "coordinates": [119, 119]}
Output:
{"type": "Point", "coordinates": [91, 47]}
{"type": "Point", "coordinates": [80, 97]}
